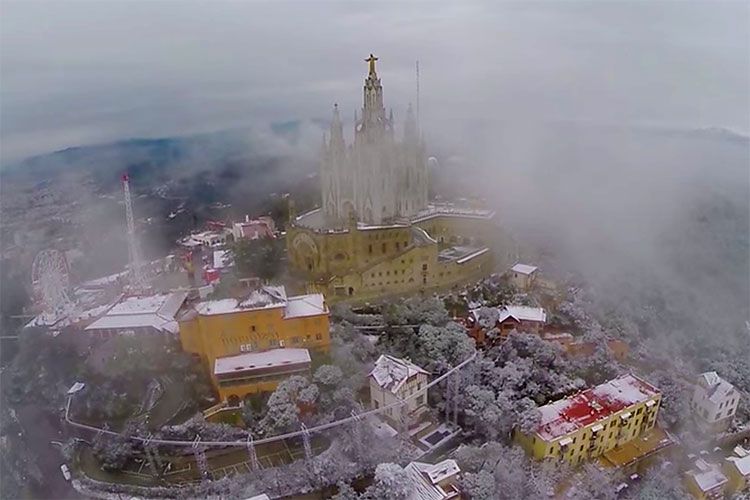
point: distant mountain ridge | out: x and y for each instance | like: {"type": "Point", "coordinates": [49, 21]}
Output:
{"type": "Point", "coordinates": [159, 153]}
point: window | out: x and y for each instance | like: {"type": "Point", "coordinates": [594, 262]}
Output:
{"type": "Point", "coordinates": [398, 245]}
{"type": "Point", "coordinates": [383, 246]}
{"type": "Point", "coordinates": [274, 343]}
{"type": "Point", "coordinates": [369, 248]}
{"type": "Point", "coordinates": [424, 267]}
{"type": "Point", "coordinates": [318, 336]}
{"type": "Point", "coordinates": [252, 328]}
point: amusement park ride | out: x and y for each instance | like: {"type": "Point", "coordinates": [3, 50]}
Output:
{"type": "Point", "coordinates": [50, 276]}
{"type": "Point", "coordinates": [51, 283]}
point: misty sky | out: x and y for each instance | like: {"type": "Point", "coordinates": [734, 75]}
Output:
{"type": "Point", "coordinates": [76, 73]}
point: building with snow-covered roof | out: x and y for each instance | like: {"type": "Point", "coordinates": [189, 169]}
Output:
{"type": "Point", "coordinates": [265, 318]}
{"type": "Point", "coordinates": [706, 481]}
{"type": "Point", "coordinates": [151, 314]}
{"type": "Point", "coordinates": [433, 481]}
{"type": "Point", "coordinates": [208, 239]}
{"type": "Point", "coordinates": [520, 318]}
{"type": "Point", "coordinates": [505, 319]}
{"type": "Point", "coordinates": [714, 401]}
{"type": "Point", "coordinates": [394, 380]}
{"type": "Point", "coordinates": [523, 276]}
{"type": "Point", "coordinates": [252, 372]}
{"type": "Point", "coordinates": [593, 422]}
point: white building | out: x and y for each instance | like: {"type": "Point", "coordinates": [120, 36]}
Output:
{"type": "Point", "coordinates": [714, 401]}
{"type": "Point", "coordinates": [151, 314]}
{"type": "Point", "coordinates": [210, 239]}
{"type": "Point", "coordinates": [222, 259]}
{"type": "Point", "coordinates": [393, 380]}
{"type": "Point", "coordinates": [522, 276]}
{"type": "Point", "coordinates": [433, 482]}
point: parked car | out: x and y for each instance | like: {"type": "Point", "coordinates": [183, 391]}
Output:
{"type": "Point", "coordinates": [65, 472]}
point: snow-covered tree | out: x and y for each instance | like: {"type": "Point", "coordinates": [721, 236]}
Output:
{"type": "Point", "coordinates": [391, 483]}
{"type": "Point", "coordinates": [345, 492]}
{"type": "Point", "coordinates": [416, 311]}
{"type": "Point", "coordinates": [443, 347]}
{"type": "Point", "coordinates": [328, 376]}
{"type": "Point", "coordinates": [514, 474]}
{"type": "Point", "coordinates": [283, 407]}
{"type": "Point", "coordinates": [113, 452]}
{"type": "Point", "coordinates": [594, 482]}
{"type": "Point", "coordinates": [661, 485]}
{"type": "Point", "coordinates": [479, 486]}
{"type": "Point", "coordinates": [598, 367]}
{"type": "Point", "coordinates": [676, 394]}
{"type": "Point", "coordinates": [487, 317]}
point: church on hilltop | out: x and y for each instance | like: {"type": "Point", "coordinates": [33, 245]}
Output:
{"type": "Point", "coordinates": [376, 232]}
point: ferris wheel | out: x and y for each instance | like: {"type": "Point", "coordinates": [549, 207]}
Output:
{"type": "Point", "coordinates": [50, 279]}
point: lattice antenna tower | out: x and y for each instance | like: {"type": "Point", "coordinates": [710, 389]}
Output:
{"type": "Point", "coordinates": [137, 279]}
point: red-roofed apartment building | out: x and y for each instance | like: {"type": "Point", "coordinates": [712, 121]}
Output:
{"type": "Point", "coordinates": [262, 227]}
{"type": "Point", "coordinates": [594, 421]}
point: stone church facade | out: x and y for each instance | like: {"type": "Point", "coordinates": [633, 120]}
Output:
{"type": "Point", "coordinates": [376, 233]}
{"type": "Point", "coordinates": [378, 178]}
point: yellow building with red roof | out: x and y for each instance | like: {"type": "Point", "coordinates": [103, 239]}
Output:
{"type": "Point", "coordinates": [593, 422]}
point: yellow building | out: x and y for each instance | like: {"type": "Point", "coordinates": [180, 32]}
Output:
{"type": "Point", "coordinates": [360, 261]}
{"type": "Point", "coordinates": [593, 422]}
{"type": "Point", "coordinates": [706, 481]}
{"type": "Point", "coordinates": [375, 233]}
{"type": "Point", "coordinates": [737, 470]}
{"type": "Point", "coordinates": [229, 334]}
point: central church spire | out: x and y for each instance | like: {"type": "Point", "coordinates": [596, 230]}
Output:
{"type": "Point", "coordinates": [373, 112]}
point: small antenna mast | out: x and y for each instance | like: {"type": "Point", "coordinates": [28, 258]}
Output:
{"type": "Point", "coordinates": [418, 96]}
